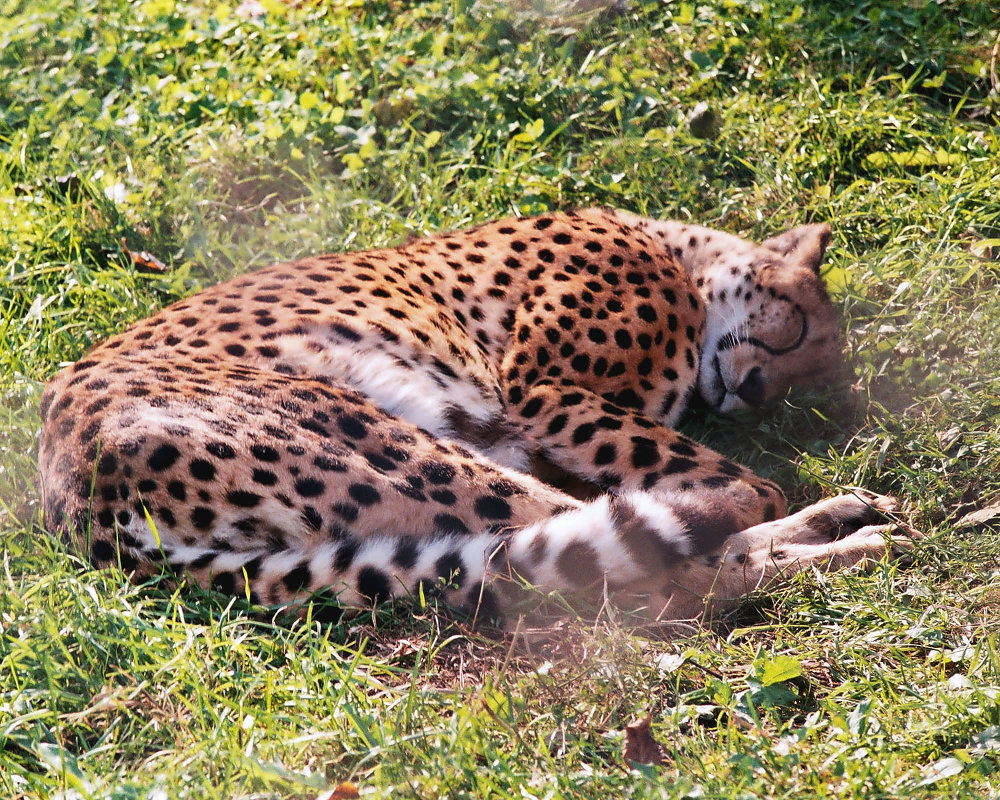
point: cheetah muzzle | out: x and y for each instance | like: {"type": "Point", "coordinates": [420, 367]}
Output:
{"type": "Point", "coordinates": [363, 425]}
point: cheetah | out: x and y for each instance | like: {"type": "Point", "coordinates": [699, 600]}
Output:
{"type": "Point", "coordinates": [357, 427]}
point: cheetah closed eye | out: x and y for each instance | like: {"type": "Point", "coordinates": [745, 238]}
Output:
{"type": "Point", "coordinates": [358, 424]}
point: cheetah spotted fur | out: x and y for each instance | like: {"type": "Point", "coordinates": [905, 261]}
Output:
{"type": "Point", "coordinates": [360, 426]}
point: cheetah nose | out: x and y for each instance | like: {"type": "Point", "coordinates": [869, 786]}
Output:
{"type": "Point", "coordinates": [751, 390]}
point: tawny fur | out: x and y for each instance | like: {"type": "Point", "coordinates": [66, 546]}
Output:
{"type": "Point", "coordinates": [363, 425]}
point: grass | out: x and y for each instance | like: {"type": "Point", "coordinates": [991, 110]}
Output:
{"type": "Point", "coordinates": [219, 143]}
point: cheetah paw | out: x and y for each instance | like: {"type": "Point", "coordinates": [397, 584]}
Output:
{"type": "Point", "coordinates": [844, 515]}
{"type": "Point", "coordinates": [871, 543]}
{"type": "Point", "coordinates": [830, 520]}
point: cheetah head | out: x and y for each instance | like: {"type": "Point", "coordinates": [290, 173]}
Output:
{"type": "Point", "coordinates": [770, 323]}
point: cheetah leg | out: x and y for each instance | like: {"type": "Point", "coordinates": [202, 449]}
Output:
{"type": "Point", "coordinates": [624, 451]}
{"type": "Point", "coordinates": [633, 545]}
{"type": "Point", "coordinates": [619, 539]}
{"type": "Point", "coordinates": [836, 533]}
{"type": "Point", "coordinates": [636, 544]}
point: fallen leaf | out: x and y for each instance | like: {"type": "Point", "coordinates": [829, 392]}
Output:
{"type": "Point", "coordinates": [947, 438]}
{"type": "Point", "coordinates": [343, 791]}
{"type": "Point", "coordinates": [640, 746]}
{"type": "Point", "coordinates": [144, 259]}
{"type": "Point", "coordinates": [982, 516]}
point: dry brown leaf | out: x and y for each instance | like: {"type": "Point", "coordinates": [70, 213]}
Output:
{"type": "Point", "coordinates": [144, 259]}
{"type": "Point", "coordinates": [982, 516]}
{"type": "Point", "coordinates": [343, 791]}
{"type": "Point", "coordinates": [640, 746]}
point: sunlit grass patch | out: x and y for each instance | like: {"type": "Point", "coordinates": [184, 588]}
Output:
{"type": "Point", "coordinates": [218, 139]}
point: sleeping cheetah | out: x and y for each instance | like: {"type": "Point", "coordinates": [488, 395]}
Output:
{"type": "Point", "coordinates": [365, 425]}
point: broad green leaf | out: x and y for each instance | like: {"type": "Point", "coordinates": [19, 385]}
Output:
{"type": "Point", "coordinates": [778, 670]}
{"type": "Point", "coordinates": [63, 763]}
{"type": "Point", "coordinates": [986, 741]}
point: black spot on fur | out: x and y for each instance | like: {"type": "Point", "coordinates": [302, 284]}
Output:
{"type": "Point", "coordinates": [578, 563]}
{"type": "Point", "coordinates": [648, 548]}
{"type": "Point", "coordinates": [309, 487]}
{"type": "Point", "coordinates": [202, 469]}
{"type": "Point", "coordinates": [202, 518]}
{"type": "Point", "coordinates": [346, 552]}
{"type": "Point", "coordinates": [263, 452]}
{"type": "Point", "coordinates": [532, 407]}
{"type": "Point", "coordinates": [492, 507]}
{"type": "Point", "coordinates": [483, 600]}
{"type": "Point", "coordinates": [298, 579]}
{"type": "Point", "coordinates": [682, 448]}
{"type": "Point", "coordinates": [163, 457]}
{"type": "Point", "coordinates": [557, 423]}
{"type": "Point", "coordinates": [445, 497]}
{"type": "Point", "coordinates": [605, 454]}
{"type": "Point", "coordinates": [406, 553]}
{"type": "Point", "coordinates": [346, 511]}
{"type": "Point", "coordinates": [707, 530]}
{"type": "Point", "coordinates": [264, 477]}
{"type": "Point", "coordinates": [243, 499]}
{"type": "Point", "coordinates": [451, 569]}
{"type": "Point", "coordinates": [584, 433]}
{"type": "Point", "coordinates": [644, 452]}
{"type": "Point", "coordinates": [668, 403]}
{"type": "Point", "coordinates": [102, 552]}
{"type": "Point", "coordinates": [224, 582]}
{"type": "Point", "coordinates": [329, 464]}
{"type": "Point", "coordinates": [220, 450]}
{"type": "Point", "coordinates": [678, 465]}
{"type": "Point", "coordinates": [97, 405]}
{"type": "Point", "coordinates": [312, 518]}
{"type": "Point", "coordinates": [352, 426]}
{"type": "Point", "coordinates": [107, 465]}
{"type": "Point", "coordinates": [374, 584]}
{"type": "Point", "coordinates": [315, 427]}
{"type": "Point", "coordinates": [449, 523]}
{"type": "Point", "coordinates": [363, 494]}
{"type": "Point", "coordinates": [438, 472]}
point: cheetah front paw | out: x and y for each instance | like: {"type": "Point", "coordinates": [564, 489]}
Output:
{"type": "Point", "coordinates": [835, 518]}
{"type": "Point", "coordinates": [850, 512]}
{"type": "Point", "coordinates": [871, 543]}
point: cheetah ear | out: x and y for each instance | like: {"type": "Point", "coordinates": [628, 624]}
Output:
{"type": "Point", "coordinates": [804, 245]}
